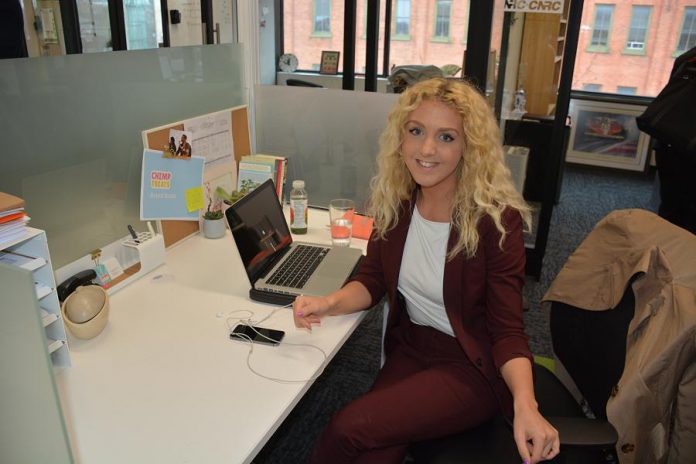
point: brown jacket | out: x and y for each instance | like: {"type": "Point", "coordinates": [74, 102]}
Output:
{"type": "Point", "coordinates": [482, 295]}
{"type": "Point", "coordinates": [654, 407]}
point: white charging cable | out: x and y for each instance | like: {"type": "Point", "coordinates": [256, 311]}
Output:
{"type": "Point", "coordinates": [250, 323]}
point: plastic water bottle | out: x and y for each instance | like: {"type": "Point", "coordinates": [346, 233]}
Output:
{"type": "Point", "coordinates": [298, 208]}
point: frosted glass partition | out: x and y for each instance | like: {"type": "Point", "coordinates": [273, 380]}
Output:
{"type": "Point", "coordinates": [32, 427]}
{"type": "Point", "coordinates": [331, 137]}
{"type": "Point", "coordinates": [71, 131]}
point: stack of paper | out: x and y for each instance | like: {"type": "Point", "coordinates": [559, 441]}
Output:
{"type": "Point", "coordinates": [13, 220]}
{"type": "Point", "coordinates": [256, 169]}
{"type": "Point", "coordinates": [25, 262]}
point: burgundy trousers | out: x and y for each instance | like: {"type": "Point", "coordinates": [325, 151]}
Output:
{"type": "Point", "coordinates": [427, 388]}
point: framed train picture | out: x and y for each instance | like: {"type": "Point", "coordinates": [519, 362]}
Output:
{"type": "Point", "coordinates": [606, 134]}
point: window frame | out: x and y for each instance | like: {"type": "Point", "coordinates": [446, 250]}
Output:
{"type": "Point", "coordinates": [395, 8]}
{"type": "Point", "coordinates": [592, 87]}
{"type": "Point", "coordinates": [315, 33]}
{"type": "Point", "coordinates": [692, 31]}
{"type": "Point", "coordinates": [591, 48]}
{"type": "Point", "coordinates": [632, 90]}
{"type": "Point", "coordinates": [439, 38]}
{"type": "Point", "coordinates": [638, 51]}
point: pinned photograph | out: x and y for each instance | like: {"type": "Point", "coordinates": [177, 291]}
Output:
{"type": "Point", "coordinates": [180, 143]}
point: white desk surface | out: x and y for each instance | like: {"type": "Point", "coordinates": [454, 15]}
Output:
{"type": "Point", "coordinates": [163, 382]}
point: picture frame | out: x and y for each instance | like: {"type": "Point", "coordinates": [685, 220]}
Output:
{"type": "Point", "coordinates": [606, 134]}
{"type": "Point", "coordinates": [329, 62]}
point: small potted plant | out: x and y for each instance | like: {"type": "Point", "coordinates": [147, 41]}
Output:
{"type": "Point", "coordinates": [213, 218]}
{"type": "Point", "coordinates": [236, 195]}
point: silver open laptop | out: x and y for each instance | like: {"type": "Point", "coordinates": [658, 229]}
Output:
{"type": "Point", "coordinates": [278, 268]}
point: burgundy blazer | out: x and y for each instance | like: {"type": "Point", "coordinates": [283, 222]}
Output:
{"type": "Point", "coordinates": [482, 294]}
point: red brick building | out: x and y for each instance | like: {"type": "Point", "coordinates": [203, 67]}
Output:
{"type": "Point", "coordinates": [422, 32]}
{"type": "Point", "coordinates": [638, 49]}
{"type": "Point", "coordinates": [625, 46]}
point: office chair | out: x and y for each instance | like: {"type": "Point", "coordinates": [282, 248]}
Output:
{"type": "Point", "coordinates": [301, 83]}
{"type": "Point", "coordinates": [582, 341]}
{"type": "Point", "coordinates": [629, 352]}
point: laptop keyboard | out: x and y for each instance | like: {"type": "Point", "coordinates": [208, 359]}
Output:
{"type": "Point", "coordinates": [299, 266]}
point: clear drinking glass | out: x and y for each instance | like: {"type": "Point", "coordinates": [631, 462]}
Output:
{"type": "Point", "coordinates": [341, 213]}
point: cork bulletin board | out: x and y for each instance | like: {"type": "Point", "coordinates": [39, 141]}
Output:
{"type": "Point", "coordinates": [158, 139]}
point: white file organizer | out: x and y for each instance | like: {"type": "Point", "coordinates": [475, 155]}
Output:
{"type": "Point", "coordinates": [150, 248]}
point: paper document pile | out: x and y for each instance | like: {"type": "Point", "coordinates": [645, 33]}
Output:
{"type": "Point", "coordinates": [13, 219]}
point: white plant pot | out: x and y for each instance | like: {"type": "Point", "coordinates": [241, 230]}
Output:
{"type": "Point", "coordinates": [214, 228]}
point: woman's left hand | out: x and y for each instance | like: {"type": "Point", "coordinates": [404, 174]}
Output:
{"type": "Point", "coordinates": [536, 439]}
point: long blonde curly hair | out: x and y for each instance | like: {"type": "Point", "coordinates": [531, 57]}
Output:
{"type": "Point", "coordinates": [484, 183]}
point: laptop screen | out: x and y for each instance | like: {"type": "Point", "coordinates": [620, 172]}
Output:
{"type": "Point", "coordinates": [259, 228]}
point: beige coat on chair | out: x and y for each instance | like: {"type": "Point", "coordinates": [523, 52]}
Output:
{"type": "Point", "coordinates": [653, 407]}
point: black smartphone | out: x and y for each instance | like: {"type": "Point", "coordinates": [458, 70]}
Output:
{"type": "Point", "coordinates": [257, 334]}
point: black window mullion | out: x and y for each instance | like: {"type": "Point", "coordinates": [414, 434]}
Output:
{"type": "Point", "coordinates": [207, 19]}
{"type": "Point", "coordinates": [71, 26]}
{"type": "Point", "coordinates": [478, 42]}
{"type": "Point", "coordinates": [387, 36]}
{"type": "Point", "coordinates": [349, 22]}
{"type": "Point", "coordinates": [371, 45]}
{"type": "Point", "coordinates": [118, 25]}
{"type": "Point", "coordinates": [280, 32]}
{"type": "Point", "coordinates": [164, 12]}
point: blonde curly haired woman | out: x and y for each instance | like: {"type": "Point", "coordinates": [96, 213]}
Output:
{"type": "Point", "coordinates": [448, 252]}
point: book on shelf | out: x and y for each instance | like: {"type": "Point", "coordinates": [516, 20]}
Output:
{"type": "Point", "coordinates": [25, 262]}
{"type": "Point", "coordinates": [281, 171]}
{"type": "Point", "coordinates": [256, 169]}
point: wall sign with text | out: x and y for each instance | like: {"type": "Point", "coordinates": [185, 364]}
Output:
{"type": "Point", "coordinates": [534, 6]}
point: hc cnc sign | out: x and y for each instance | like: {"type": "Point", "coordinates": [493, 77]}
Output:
{"type": "Point", "coordinates": [534, 6]}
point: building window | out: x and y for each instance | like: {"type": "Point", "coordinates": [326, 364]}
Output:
{"type": "Point", "coordinates": [592, 87]}
{"type": "Point", "coordinates": [638, 31]}
{"type": "Point", "coordinates": [621, 90]}
{"type": "Point", "coordinates": [402, 19]}
{"type": "Point", "coordinates": [687, 38]}
{"type": "Point", "coordinates": [322, 18]}
{"type": "Point", "coordinates": [443, 12]}
{"type": "Point", "coordinates": [600, 30]}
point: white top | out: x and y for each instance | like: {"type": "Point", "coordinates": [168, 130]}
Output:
{"type": "Point", "coordinates": [422, 273]}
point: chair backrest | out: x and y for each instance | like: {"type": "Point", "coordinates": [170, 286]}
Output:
{"type": "Point", "coordinates": [301, 83]}
{"type": "Point", "coordinates": [591, 345]}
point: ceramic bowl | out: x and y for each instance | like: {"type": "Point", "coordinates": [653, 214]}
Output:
{"type": "Point", "coordinates": [86, 311]}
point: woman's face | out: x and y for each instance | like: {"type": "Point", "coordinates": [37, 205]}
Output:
{"type": "Point", "coordinates": [432, 145]}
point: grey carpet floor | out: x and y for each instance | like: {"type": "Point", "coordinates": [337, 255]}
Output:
{"type": "Point", "coordinates": [587, 195]}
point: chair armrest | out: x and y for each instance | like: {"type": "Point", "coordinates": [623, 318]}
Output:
{"type": "Point", "coordinates": [581, 431]}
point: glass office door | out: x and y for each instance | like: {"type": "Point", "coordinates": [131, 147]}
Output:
{"type": "Point", "coordinates": [529, 42]}
{"type": "Point", "coordinates": [95, 27]}
{"type": "Point", "coordinates": [143, 20]}
{"type": "Point", "coordinates": [223, 21]}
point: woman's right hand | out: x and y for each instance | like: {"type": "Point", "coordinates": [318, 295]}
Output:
{"type": "Point", "coordinates": [308, 310]}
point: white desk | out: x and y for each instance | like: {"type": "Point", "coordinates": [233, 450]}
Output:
{"type": "Point", "coordinates": [164, 384]}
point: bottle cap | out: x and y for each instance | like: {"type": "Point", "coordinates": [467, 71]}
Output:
{"type": "Point", "coordinates": [298, 184]}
